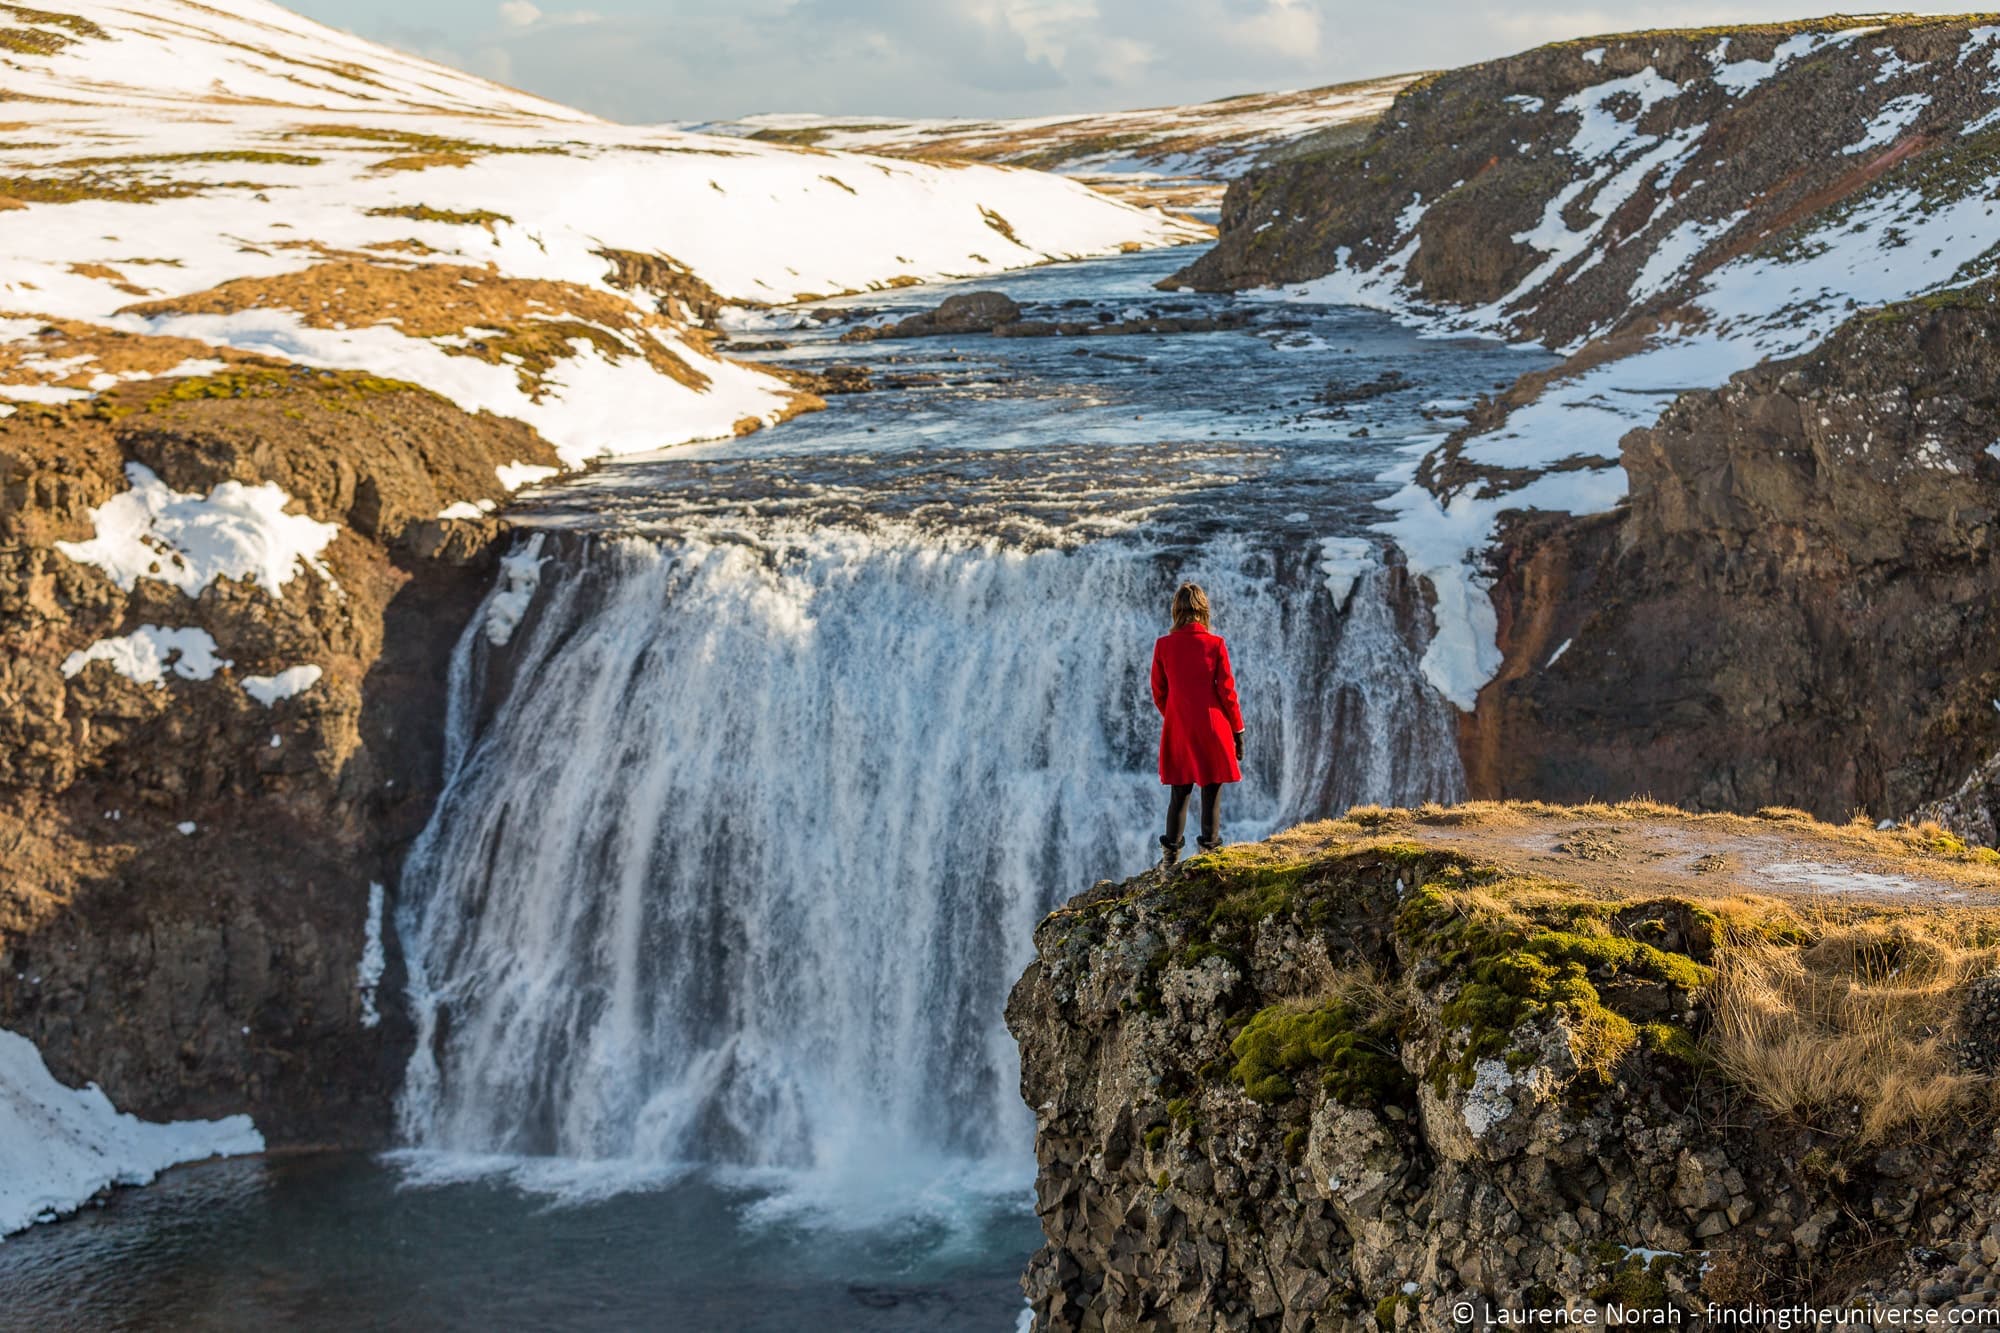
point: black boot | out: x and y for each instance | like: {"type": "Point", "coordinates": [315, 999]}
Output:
{"type": "Point", "coordinates": [1209, 845]}
{"type": "Point", "coordinates": [1170, 852]}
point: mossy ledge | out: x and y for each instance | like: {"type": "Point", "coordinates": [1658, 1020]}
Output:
{"type": "Point", "coordinates": [1520, 1053]}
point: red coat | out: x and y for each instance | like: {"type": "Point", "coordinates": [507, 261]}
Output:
{"type": "Point", "coordinates": [1195, 691]}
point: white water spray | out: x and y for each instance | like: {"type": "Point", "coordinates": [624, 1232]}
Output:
{"type": "Point", "coordinates": [741, 847]}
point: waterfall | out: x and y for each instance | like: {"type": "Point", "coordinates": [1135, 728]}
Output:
{"type": "Point", "coordinates": [742, 845]}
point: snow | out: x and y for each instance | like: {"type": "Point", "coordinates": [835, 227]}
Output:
{"type": "Point", "coordinates": [1343, 560]}
{"type": "Point", "coordinates": [373, 960]}
{"type": "Point", "coordinates": [145, 654]}
{"type": "Point", "coordinates": [237, 531]}
{"type": "Point", "coordinates": [1678, 250]}
{"type": "Point", "coordinates": [1890, 123]}
{"type": "Point", "coordinates": [521, 575]}
{"type": "Point", "coordinates": [186, 828]}
{"type": "Point", "coordinates": [514, 476]}
{"type": "Point", "coordinates": [1741, 76]}
{"type": "Point", "coordinates": [1646, 1256]}
{"type": "Point", "coordinates": [1556, 656]}
{"type": "Point", "coordinates": [287, 684]}
{"type": "Point", "coordinates": [1207, 141]}
{"type": "Point", "coordinates": [59, 1146]}
{"type": "Point", "coordinates": [1444, 543]}
{"type": "Point", "coordinates": [758, 222]}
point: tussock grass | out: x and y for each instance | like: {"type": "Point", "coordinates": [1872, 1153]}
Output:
{"type": "Point", "coordinates": [1853, 1028]}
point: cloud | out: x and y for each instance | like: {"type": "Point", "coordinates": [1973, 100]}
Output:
{"type": "Point", "coordinates": [520, 17]}
{"type": "Point", "coordinates": [654, 60]}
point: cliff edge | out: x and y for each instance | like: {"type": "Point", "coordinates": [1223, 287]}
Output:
{"type": "Point", "coordinates": [1382, 1070]}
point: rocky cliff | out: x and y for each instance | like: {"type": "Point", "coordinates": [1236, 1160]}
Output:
{"type": "Point", "coordinates": [1794, 604]}
{"type": "Point", "coordinates": [1649, 576]}
{"type": "Point", "coordinates": [208, 761]}
{"type": "Point", "coordinates": [1409, 1070]}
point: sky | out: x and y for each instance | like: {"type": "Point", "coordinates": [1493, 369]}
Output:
{"type": "Point", "coordinates": [646, 61]}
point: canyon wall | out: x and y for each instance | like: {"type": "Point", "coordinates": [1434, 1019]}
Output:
{"type": "Point", "coordinates": [186, 915]}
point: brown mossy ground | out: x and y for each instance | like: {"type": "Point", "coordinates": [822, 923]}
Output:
{"type": "Point", "coordinates": [527, 323]}
{"type": "Point", "coordinates": [1645, 932]}
{"type": "Point", "coordinates": [41, 358]}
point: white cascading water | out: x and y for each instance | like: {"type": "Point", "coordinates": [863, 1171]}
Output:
{"type": "Point", "coordinates": [741, 848]}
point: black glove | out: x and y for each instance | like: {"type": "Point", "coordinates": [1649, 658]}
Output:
{"type": "Point", "coordinates": [1239, 747]}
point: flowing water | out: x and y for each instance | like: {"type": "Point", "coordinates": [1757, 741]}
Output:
{"type": "Point", "coordinates": [767, 755]}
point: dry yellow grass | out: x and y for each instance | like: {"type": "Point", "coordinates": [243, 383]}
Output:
{"type": "Point", "coordinates": [1855, 1026]}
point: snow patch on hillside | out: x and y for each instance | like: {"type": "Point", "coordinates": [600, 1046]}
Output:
{"type": "Point", "coordinates": [239, 532]}
{"type": "Point", "coordinates": [286, 684]}
{"type": "Point", "coordinates": [147, 652]}
{"type": "Point", "coordinates": [60, 1146]}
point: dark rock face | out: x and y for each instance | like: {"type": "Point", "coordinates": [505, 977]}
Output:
{"type": "Point", "coordinates": [1796, 606]}
{"type": "Point", "coordinates": [211, 971]}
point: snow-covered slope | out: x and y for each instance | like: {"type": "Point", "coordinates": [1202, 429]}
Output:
{"type": "Point", "coordinates": [59, 1146]}
{"type": "Point", "coordinates": [1664, 209]}
{"type": "Point", "coordinates": [233, 173]}
{"type": "Point", "coordinates": [1175, 155]}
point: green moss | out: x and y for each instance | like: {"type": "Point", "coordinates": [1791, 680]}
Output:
{"type": "Point", "coordinates": [1673, 1041]}
{"type": "Point", "coordinates": [478, 217]}
{"type": "Point", "coordinates": [1352, 1054]}
{"type": "Point", "coordinates": [1163, 1182]}
{"type": "Point", "coordinates": [1385, 1310]}
{"type": "Point", "coordinates": [1156, 1138]}
{"type": "Point", "coordinates": [33, 41]}
{"type": "Point", "coordinates": [75, 24]}
{"type": "Point", "coordinates": [1615, 955]}
{"type": "Point", "coordinates": [333, 389]}
{"type": "Point", "coordinates": [1513, 970]}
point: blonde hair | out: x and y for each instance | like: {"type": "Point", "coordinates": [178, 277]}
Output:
{"type": "Point", "coordinates": [1190, 605]}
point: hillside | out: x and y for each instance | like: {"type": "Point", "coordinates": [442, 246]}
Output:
{"type": "Point", "coordinates": [246, 178]}
{"type": "Point", "coordinates": [1178, 157]}
{"type": "Point", "coordinates": [1379, 1068]}
{"type": "Point", "coordinates": [1667, 210]}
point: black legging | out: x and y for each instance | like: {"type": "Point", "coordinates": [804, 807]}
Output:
{"type": "Point", "coordinates": [1211, 813]}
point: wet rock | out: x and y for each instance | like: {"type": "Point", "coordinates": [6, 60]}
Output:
{"type": "Point", "coordinates": [968, 312]}
{"type": "Point", "coordinates": [1388, 382]}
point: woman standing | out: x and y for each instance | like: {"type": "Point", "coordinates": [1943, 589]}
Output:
{"type": "Point", "coordinates": [1201, 725]}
